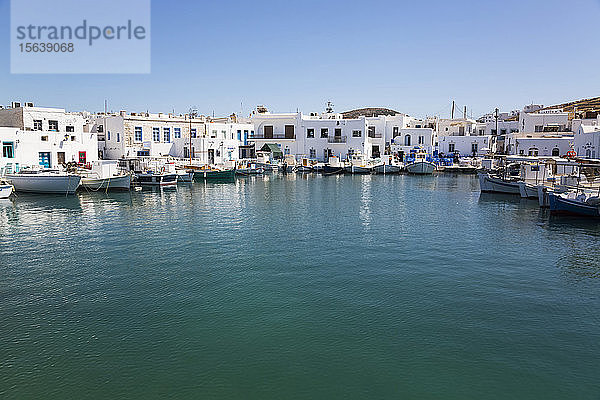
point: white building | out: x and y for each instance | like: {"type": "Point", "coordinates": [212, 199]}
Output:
{"type": "Point", "coordinates": [47, 137]}
{"type": "Point", "coordinates": [587, 140]}
{"type": "Point", "coordinates": [212, 141]}
{"type": "Point", "coordinates": [463, 136]}
{"type": "Point", "coordinates": [319, 136]}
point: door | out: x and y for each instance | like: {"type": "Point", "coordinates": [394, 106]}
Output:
{"type": "Point", "coordinates": [45, 160]}
{"type": "Point", "coordinates": [60, 157]}
{"type": "Point", "coordinates": [268, 132]}
{"type": "Point", "coordinates": [375, 153]}
{"type": "Point", "coordinates": [211, 156]}
{"type": "Point", "coordinates": [82, 158]}
{"type": "Point", "coordinates": [289, 131]}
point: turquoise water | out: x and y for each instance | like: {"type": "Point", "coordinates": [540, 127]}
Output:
{"type": "Point", "coordinates": [298, 288]}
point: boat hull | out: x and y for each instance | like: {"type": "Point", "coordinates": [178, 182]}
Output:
{"type": "Point", "coordinates": [51, 184]}
{"type": "Point", "coordinates": [560, 205]}
{"type": "Point", "coordinates": [387, 169]}
{"type": "Point", "coordinates": [113, 183]}
{"type": "Point", "coordinates": [357, 169]}
{"type": "Point", "coordinates": [528, 191]}
{"type": "Point", "coordinates": [489, 184]}
{"type": "Point", "coordinates": [157, 180]}
{"type": "Point", "coordinates": [303, 169]}
{"type": "Point", "coordinates": [420, 168]}
{"type": "Point", "coordinates": [329, 170]}
{"type": "Point", "coordinates": [216, 175]}
{"type": "Point", "coordinates": [5, 191]}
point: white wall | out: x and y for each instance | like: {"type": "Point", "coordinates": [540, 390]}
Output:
{"type": "Point", "coordinates": [464, 145]}
{"type": "Point", "coordinates": [28, 144]}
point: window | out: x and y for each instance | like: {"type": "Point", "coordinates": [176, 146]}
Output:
{"type": "Point", "coordinates": [407, 140]}
{"type": "Point", "coordinates": [371, 131]}
{"type": "Point", "coordinates": [44, 158]}
{"type": "Point", "coordinates": [324, 132]}
{"type": "Point", "coordinates": [395, 131]}
{"type": "Point", "coordinates": [461, 130]}
{"type": "Point", "coordinates": [521, 152]}
{"type": "Point", "coordinates": [69, 128]}
{"type": "Point", "coordinates": [289, 131]}
{"type": "Point", "coordinates": [450, 147]}
{"type": "Point", "coordinates": [555, 152]}
{"type": "Point", "coordinates": [118, 137]}
{"type": "Point", "coordinates": [337, 132]}
{"type": "Point", "coordinates": [53, 126]}
{"type": "Point", "coordinates": [100, 128]}
{"type": "Point", "coordinates": [213, 135]}
{"type": "Point", "coordinates": [239, 135]}
{"type": "Point", "coordinates": [224, 134]}
{"type": "Point", "coordinates": [108, 135]}
{"type": "Point", "coordinates": [8, 150]}
{"type": "Point", "coordinates": [44, 138]}
{"type": "Point", "coordinates": [156, 134]}
{"type": "Point", "coordinates": [312, 153]}
{"type": "Point", "coordinates": [539, 128]}
{"type": "Point", "coordinates": [421, 139]}
{"type": "Point", "coordinates": [82, 158]}
{"type": "Point", "coordinates": [137, 133]}
{"type": "Point", "coordinates": [493, 131]}
{"type": "Point", "coordinates": [37, 124]}
{"type": "Point", "coordinates": [177, 133]}
{"type": "Point", "coordinates": [167, 135]}
{"type": "Point", "coordinates": [533, 152]}
{"type": "Point", "coordinates": [474, 148]}
{"type": "Point", "coordinates": [356, 133]}
{"type": "Point", "coordinates": [503, 131]}
{"type": "Point", "coordinates": [310, 132]}
{"type": "Point", "coordinates": [73, 138]}
{"type": "Point", "coordinates": [193, 133]}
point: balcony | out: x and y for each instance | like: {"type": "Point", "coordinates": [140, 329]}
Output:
{"type": "Point", "coordinates": [375, 135]}
{"type": "Point", "coordinates": [336, 139]}
{"type": "Point", "coordinates": [276, 136]}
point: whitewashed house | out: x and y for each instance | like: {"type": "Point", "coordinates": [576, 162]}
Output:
{"type": "Point", "coordinates": [156, 135]}
{"type": "Point", "coordinates": [46, 137]}
{"type": "Point", "coordinates": [587, 140]}
{"type": "Point", "coordinates": [463, 136]}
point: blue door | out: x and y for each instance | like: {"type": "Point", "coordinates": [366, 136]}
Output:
{"type": "Point", "coordinates": [45, 159]}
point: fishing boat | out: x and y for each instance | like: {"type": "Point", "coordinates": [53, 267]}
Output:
{"type": "Point", "coordinates": [584, 204]}
{"type": "Point", "coordinates": [249, 169]}
{"type": "Point", "coordinates": [333, 166]}
{"type": "Point", "coordinates": [491, 183]}
{"type": "Point", "coordinates": [219, 174]}
{"type": "Point", "coordinates": [156, 179]}
{"type": "Point", "coordinates": [304, 167]}
{"type": "Point", "coordinates": [388, 166]}
{"type": "Point", "coordinates": [5, 191]}
{"type": "Point", "coordinates": [44, 181]}
{"type": "Point", "coordinates": [420, 165]}
{"type": "Point", "coordinates": [358, 165]}
{"type": "Point", "coordinates": [104, 175]}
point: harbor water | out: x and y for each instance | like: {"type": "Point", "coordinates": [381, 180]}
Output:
{"type": "Point", "coordinates": [298, 287]}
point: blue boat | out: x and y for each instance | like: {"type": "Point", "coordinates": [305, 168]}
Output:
{"type": "Point", "coordinates": [580, 205]}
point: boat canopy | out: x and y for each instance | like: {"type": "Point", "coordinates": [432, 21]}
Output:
{"type": "Point", "coordinates": [272, 148]}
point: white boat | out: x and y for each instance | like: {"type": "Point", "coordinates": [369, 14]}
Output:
{"type": "Point", "coordinates": [528, 190]}
{"type": "Point", "coordinates": [358, 165]}
{"type": "Point", "coordinates": [44, 181]}
{"type": "Point", "coordinates": [420, 165]}
{"type": "Point", "coordinates": [5, 191]}
{"type": "Point", "coordinates": [104, 175]}
{"type": "Point", "coordinates": [489, 183]}
{"type": "Point", "coordinates": [156, 179]}
{"type": "Point", "coordinates": [388, 166]}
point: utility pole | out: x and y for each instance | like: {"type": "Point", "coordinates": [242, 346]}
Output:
{"type": "Point", "coordinates": [192, 114]}
{"type": "Point", "coordinates": [452, 113]}
{"type": "Point", "coordinates": [465, 113]}
{"type": "Point", "coordinates": [496, 134]}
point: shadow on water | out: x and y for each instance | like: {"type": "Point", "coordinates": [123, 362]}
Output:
{"type": "Point", "coordinates": [499, 198]}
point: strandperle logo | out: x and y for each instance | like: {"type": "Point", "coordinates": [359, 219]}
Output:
{"type": "Point", "coordinates": [85, 31]}
{"type": "Point", "coordinates": [80, 36]}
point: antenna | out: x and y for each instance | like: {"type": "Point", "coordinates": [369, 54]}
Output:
{"type": "Point", "coordinates": [329, 107]}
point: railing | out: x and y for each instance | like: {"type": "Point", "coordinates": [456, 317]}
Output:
{"type": "Point", "coordinates": [274, 136]}
{"type": "Point", "coordinates": [336, 139]}
{"type": "Point", "coordinates": [374, 135]}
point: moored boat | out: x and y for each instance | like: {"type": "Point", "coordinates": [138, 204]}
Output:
{"type": "Point", "coordinates": [104, 175]}
{"type": "Point", "coordinates": [5, 191]}
{"type": "Point", "coordinates": [420, 165]}
{"type": "Point", "coordinates": [218, 174]}
{"type": "Point", "coordinates": [489, 183]}
{"type": "Point", "coordinates": [44, 181]}
{"type": "Point", "coordinates": [583, 204]}
{"type": "Point", "coordinates": [156, 179]}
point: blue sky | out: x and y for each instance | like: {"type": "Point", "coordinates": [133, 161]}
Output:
{"type": "Point", "coordinates": [415, 57]}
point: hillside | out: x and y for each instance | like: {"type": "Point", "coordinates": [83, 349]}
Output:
{"type": "Point", "coordinates": [369, 112]}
